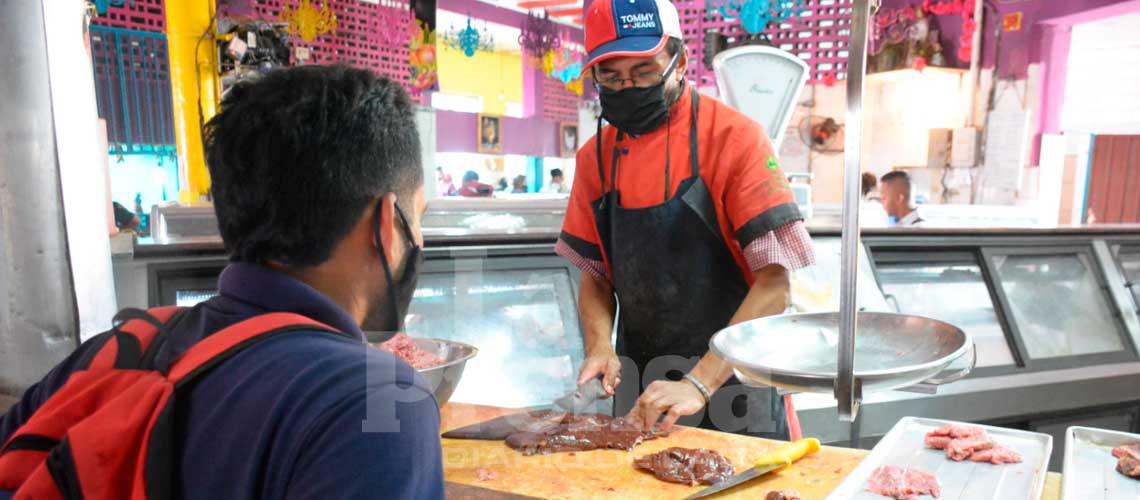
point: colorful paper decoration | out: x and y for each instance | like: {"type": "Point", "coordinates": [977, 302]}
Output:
{"type": "Point", "coordinates": [754, 15]}
{"type": "Point", "coordinates": [421, 58]}
{"type": "Point", "coordinates": [307, 22]}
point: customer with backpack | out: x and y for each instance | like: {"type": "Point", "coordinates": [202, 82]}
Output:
{"type": "Point", "coordinates": [267, 390]}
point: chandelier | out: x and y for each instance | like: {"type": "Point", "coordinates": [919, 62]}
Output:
{"type": "Point", "coordinates": [755, 15]}
{"type": "Point", "coordinates": [469, 40]}
{"type": "Point", "coordinates": [539, 35]}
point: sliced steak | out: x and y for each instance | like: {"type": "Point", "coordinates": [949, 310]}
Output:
{"type": "Point", "coordinates": [903, 484]}
{"type": "Point", "coordinates": [997, 455]}
{"type": "Point", "coordinates": [687, 466]}
{"type": "Point", "coordinates": [1132, 450]}
{"type": "Point", "coordinates": [1129, 463]}
{"type": "Point", "coordinates": [961, 449]}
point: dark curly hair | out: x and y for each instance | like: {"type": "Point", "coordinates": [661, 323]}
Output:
{"type": "Point", "coordinates": [297, 156]}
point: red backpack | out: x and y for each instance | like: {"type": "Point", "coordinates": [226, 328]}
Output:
{"type": "Point", "coordinates": [108, 432]}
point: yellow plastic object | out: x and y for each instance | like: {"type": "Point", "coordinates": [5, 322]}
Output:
{"type": "Point", "coordinates": [788, 454]}
{"type": "Point", "coordinates": [193, 72]}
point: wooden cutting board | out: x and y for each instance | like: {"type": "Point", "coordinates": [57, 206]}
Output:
{"type": "Point", "coordinates": [610, 473]}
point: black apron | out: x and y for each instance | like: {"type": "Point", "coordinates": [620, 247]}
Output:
{"type": "Point", "coordinates": [677, 284]}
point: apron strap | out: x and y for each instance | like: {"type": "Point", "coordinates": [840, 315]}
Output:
{"type": "Point", "coordinates": [598, 143]}
{"type": "Point", "coordinates": [694, 151]}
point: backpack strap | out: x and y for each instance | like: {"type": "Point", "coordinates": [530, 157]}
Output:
{"type": "Point", "coordinates": [233, 339]}
{"type": "Point", "coordinates": [133, 336]}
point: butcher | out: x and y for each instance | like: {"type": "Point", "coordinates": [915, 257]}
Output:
{"type": "Point", "coordinates": [678, 207]}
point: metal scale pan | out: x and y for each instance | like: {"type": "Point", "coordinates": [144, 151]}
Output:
{"type": "Point", "coordinates": [821, 352]}
{"type": "Point", "coordinates": [797, 352]}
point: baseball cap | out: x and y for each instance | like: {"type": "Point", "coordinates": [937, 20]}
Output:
{"type": "Point", "coordinates": [628, 28]}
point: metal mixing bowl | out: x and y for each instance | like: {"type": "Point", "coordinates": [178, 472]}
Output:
{"type": "Point", "coordinates": [798, 352]}
{"type": "Point", "coordinates": [442, 379]}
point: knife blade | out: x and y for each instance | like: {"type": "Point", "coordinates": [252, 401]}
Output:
{"type": "Point", "coordinates": [583, 398]}
{"type": "Point", "coordinates": [782, 458]}
{"type": "Point", "coordinates": [499, 428]}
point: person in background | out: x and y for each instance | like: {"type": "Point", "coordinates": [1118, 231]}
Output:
{"type": "Point", "coordinates": [319, 208]}
{"type": "Point", "coordinates": [894, 188]}
{"type": "Point", "coordinates": [519, 184]}
{"type": "Point", "coordinates": [704, 235]}
{"type": "Point", "coordinates": [445, 186]}
{"type": "Point", "coordinates": [871, 213]}
{"type": "Point", "coordinates": [557, 183]}
{"type": "Point", "coordinates": [503, 184]}
{"type": "Point", "coordinates": [472, 188]}
{"type": "Point", "coordinates": [125, 220]}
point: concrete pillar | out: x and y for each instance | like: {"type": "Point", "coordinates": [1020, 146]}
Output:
{"type": "Point", "coordinates": [38, 315]}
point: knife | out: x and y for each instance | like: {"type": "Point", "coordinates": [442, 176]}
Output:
{"type": "Point", "coordinates": [776, 460]}
{"type": "Point", "coordinates": [582, 399]}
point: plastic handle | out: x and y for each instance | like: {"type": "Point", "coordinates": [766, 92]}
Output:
{"type": "Point", "coordinates": [788, 454]}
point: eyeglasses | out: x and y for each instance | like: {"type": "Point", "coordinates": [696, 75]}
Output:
{"type": "Point", "coordinates": [643, 79]}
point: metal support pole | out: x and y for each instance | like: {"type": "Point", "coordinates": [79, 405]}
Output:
{"type": "Point", "coordinates": [847, 392]}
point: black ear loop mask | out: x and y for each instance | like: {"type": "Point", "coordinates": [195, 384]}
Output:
{"type": "Point", "coordinates": [399, 293]}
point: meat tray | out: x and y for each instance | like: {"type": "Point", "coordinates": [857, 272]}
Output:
{"type": "Point", "coordinates": [1090, 469]}
{"type": "Point", "coordinates": [903, 446]}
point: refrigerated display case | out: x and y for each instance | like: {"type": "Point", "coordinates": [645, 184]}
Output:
{"type": "Point", "coordinates": [948, 286]}
{"type": "Point", "coordinates": [519, 310]}
{"type": "Point", "coordinates": [1053, 313]}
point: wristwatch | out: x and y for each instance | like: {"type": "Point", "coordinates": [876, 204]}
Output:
{"type": "Point", "coordinates": [700, 387]}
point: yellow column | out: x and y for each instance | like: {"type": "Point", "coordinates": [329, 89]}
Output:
{"type": "Point", "coordinates": [193, 64]}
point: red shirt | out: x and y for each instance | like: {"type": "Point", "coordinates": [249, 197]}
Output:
{"type": "Point", "coordinates": [737, 163]}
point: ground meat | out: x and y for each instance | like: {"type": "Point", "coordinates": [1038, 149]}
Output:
{"type": "Point", "coordinates": [486, 474]}
{"type": "Point", "coordinates": [687, 466]}
{"type": "Point", "coordinates": [783, 495]}
{"type": "Point", "coordinates": [406, 349]}
{"type": "Point", "coordinates": [996, 455]}
{"type": "Point", "coordinates": [1129, 463]}
{"type": "Point", "coordinates": [903, 484]}
{"type": "Point", "coordinates": [581, 432]}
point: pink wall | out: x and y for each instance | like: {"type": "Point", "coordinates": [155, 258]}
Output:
{"type": "Point", "coordinates": [455, 133]}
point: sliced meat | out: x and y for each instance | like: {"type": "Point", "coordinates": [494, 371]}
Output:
{"type": "Point", "coordinates": [959, 441]}
{"type": "Point", "coordinates": [903, 484]}
{"type": "Point", "coordinates": [938, 442]}
{"type": "Point", "coordinates": [961, 449]}
{"type": "Point", "coordinates": [1129, 463]}
{"type": "Point", "coordinates": [783, 495]}
{"type": "Point", "coordinates": [1127, 450]}
{"type": "Point", "coordinates": [687, 466]}
{"type": "Point", "coordinates": [996, 455]}
{"type": "Point", "coordinates": [1129, 466]}
{"type": "Point", "coordinates": [582, 432]}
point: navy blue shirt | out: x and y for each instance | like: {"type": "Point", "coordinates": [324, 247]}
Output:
{"type": "Point", "coordinates": [300, 415]}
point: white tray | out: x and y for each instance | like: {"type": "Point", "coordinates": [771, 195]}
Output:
{"type": "Point", "coordinates": [1090, 469]}
{"type": "Point", "coordinates": [904, 446]}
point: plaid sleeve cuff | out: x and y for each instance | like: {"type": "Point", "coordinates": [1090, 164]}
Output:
{"type": "Point", "coordinates": [788, 245]}
{"type": "Point", "coordinates": [592, 267]}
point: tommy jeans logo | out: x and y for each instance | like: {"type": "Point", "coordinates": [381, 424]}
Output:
{"type": "Point", "coordinates": [638, 21]}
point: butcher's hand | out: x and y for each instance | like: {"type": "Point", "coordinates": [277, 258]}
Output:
{"type": "Point", "coordinates": [671, 399]}
{"type": "Point", "coordinates": [604, 362]}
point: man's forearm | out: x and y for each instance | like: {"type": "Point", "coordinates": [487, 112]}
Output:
{"type": "Point", "coordinates": [770, 295]}
{"type": "Point", "coordinates": [596, 308]}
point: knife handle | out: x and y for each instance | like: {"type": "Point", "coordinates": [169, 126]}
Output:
{"type": "Point", "coordinates": [789, 453]}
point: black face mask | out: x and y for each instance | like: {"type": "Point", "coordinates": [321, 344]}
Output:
{"type": "Point", "coordinates": [390, 320]}
{"type": "Point", "coordinates": [637, 110]}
